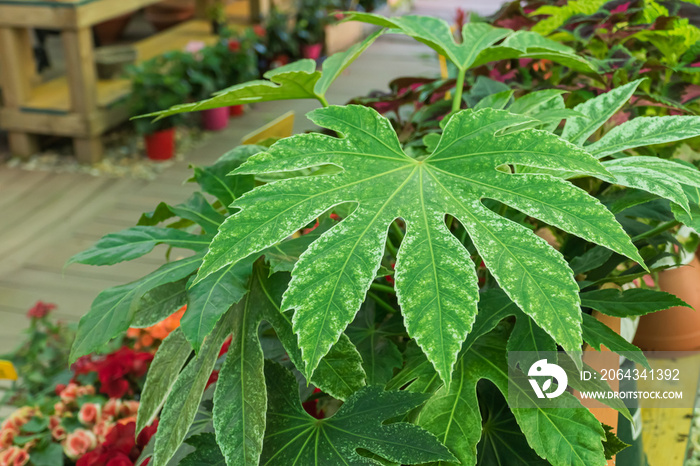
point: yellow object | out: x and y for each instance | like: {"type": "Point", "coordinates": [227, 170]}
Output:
{"type": "Point", "coordinates": [281, 127]}
{"type": "Point", "coordinates": [7, 371]}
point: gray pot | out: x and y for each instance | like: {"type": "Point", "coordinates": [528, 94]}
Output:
{"type": "Point", "coordinates": [113, 59]}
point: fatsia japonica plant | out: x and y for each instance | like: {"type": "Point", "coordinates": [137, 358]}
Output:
{"type": "Point", "coordinates": [382, 287]}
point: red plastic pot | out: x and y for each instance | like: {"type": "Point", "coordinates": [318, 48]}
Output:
{"type": "Point", "coordinates": [312, 51]}
{"type": "Point", "coordinates": [215, 119]}
{"type": "Point", "coordinates": [161, 144]}
{"type": "Point", "coordinates": [235, 110]}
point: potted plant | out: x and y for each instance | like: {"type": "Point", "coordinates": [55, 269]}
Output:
{"type": "Point", "coordinates": [242, 64]}
{"type": "Point", "coordinates": [278, 46]}
{"type": "Point", "coordinates": [168, 13]}
{"type": "Point", "coordinates": [207, 72]}
{"type": "Point", "coordinates": [216, 13]}
{"type": "Point", "coordinates": [311, 20]}
{"type": "Point", "coordinates": [395, 263]}
{"type": "Point", "coordinates": [154, 83]}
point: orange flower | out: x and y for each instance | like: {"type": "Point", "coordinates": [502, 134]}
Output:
{"type": "Point", "coordinates": [70, 393]}
{"type": "Point", "coordinates": [21, 458]}
{"type": "Point", "coordinates": [58, 433]}
{"type": "Point", "coordinates": [7, 437]}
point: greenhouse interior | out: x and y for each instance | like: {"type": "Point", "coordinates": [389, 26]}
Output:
{"type": "Point", "coordinates": [349, 232]}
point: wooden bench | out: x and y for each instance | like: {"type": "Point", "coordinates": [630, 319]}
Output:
{"type": "Point", "coordinates": [77, 105]}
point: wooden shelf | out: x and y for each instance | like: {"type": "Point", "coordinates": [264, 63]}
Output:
{"type": "Point", "coordinates": [53, 96]}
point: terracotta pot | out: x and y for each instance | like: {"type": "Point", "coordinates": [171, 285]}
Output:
{"type": "Point", "coordinates": [215, 119]}
{"type": "Point", "coordinates": [678, 328]}
{"type": "Point", "coordinates": [169, 13]}
{"type": "Point", "coordinates": [312, 51]}
{"type": "Point", "coordinates": [111, 30]}
{"type": "Point", "coordinates": [236, 110]}
{"type": "Point", "coordinates": [161, 144]}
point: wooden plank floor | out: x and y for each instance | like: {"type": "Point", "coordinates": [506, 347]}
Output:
{"type": "Point", "coordinates": [46, 217]}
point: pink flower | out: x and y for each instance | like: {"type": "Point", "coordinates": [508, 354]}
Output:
{"type": "Point", "coordinates": [101, 429]}
{"type": "Point", "coordinates": [21, 458]}
{"type": "Point", "coordinates": [40, 310]}
{"type": "Point", "coordinates": [86, 390]}
{"type": "Point", "coordinates": [7, 457]}
{"type": "Point", "coordinates": [70, 393]}
{"type": "Point", "coordinates": [79, 442]}
{"type": "Point", "coordinates": [58, 433]}
{"type": "Point", "coordinates": [89, 413]}
{"type": "Point", "coordinates": [194, 46]}
{"type": "Point", "coordinates": [7, 437]}
{"type": "Point", "coordinates": [54, 421]}
{"type": "Point", "coordinates": [129, 408]}
{"type": "Point", "coordinates": [112, 408]}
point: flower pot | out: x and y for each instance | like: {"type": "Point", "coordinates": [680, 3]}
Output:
{"type": "Point", "coordinates": [312, 51]}
{"type": "Point", "coordinates": [678, 328]}
{"type": "Point", "coordinates": [215, 119]}
{"type": "Point", "coordinates": [110, 31]}
{"type": "Point", "coordinates": [236, 110]}
{"type": "Point", "coordinates": [168, 13]}
{"type": "Point", "coordinates": [161, 144]}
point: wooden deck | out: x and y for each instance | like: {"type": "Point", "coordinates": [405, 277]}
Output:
{"type": "Point", "coordinates": [47, 217]}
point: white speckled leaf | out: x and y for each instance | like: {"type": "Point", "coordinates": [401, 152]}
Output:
{"type": "Point", "coordinates": [435, 280]}
{"type": "Point", "coordinates": [645, 131]}
{"type": "Point", "coordinates": [598, 110]}
{"type": "Point", "coordinates": [664, 178]}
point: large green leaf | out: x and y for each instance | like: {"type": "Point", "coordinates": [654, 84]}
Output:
{"type": "Point", "coordinates": [645, 131]}
{"type": "Point", "coordinates": [596, 333]}
{"type": "Point", "coordinates": [160, 302]}
{"type": "Point", "coordinates": [135, 242]}
{"type": "Point", "coordinates": [334, 65]}
{"type": "Point", "coordinates": [209, 299]}
{"type": "Point", "coordinates": [239, 400]}
{"type": "Point", "coordinates": [528, 44]}
{"type": "Point", "coordinates": [185, 395]}
{"type": "Point", "coordinates": [214, 179]}
{"type": "Point", "coordinates": [691, 217]}
{"type": "Point", "coordinates": [598, 110]}
{"type": "Point", "coordinates": [293, 437]}
{"type": "Point", "coordinates": [632, 302]}
{"type": "Point", "coordinates": [207, 452]}
{"type": "Point", "coordinates": [665, 178]}
{"type": "Point", "coordinates": [563, 433]}
{"type": "Point", "coordinates": [293, 81]}
{"type": "Point", "coordinates": [380, 355]}
{"type": "Point", "coordinates": [436, 33]}
{"type": "Point", "coordinates": [502, 443]}
{"type": "Point", "coordinates": [113, 309]}
{"type": "Point", "coordinates": [435, 277]}
{"type": "Point", "coordinates": [162, 374]}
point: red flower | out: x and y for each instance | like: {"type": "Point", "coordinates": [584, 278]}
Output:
{"type": "Point", "coordinates": [225, 346]}
{"type": "Point", "coordinates": [259, 30]}
{"type": "Point", "coordinates": [212, 378]}
{"type": "Point", "coordinates": [40, 310]}
{"type": "Point", "coordinates": [119, 447]}
{"type": "Point", "coordinates": [145, 435]}
{"type": "Point", "coordinates": [234, 45]}
{"type": "Point", "coordinates": [115, 370]}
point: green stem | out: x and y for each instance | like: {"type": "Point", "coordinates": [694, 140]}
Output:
{"type": "Point", "coordinates": [381, 302]}
{"type": "Point", "coordinates": [397, 230]}
{"type": "Point", "coordinates": [459, 87]}
{"type": "Point", "coordinates": [654, 231]}
{"type": "Point", "coordinates": [384, 288]}
{"type": "Point", "coordinates": [390, 246]}
{"type": "Point", "coordinates": [323, 100]}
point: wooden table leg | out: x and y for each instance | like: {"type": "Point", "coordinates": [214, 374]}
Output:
{"type": "Point", "coordinates": [16, 75]}
{"type": "Point", "coordinates": [82, 83]}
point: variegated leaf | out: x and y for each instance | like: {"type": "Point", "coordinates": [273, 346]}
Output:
{"type": "Point", "coordinates": [435, 277]}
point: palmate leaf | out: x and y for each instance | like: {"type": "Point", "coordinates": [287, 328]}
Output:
{"type": "Point", "coordinates": [478, 39]}
{"type": "Point", "coordinates": [293, 437]}
{"type": "Point", "coordinates": [435, 277]}
{"type": "Point", "coordinates": [564, 433]}
{"type": "Point", "coordinates": [239, 400]}
{"type": "Point", "coordinates": [297, 80]}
